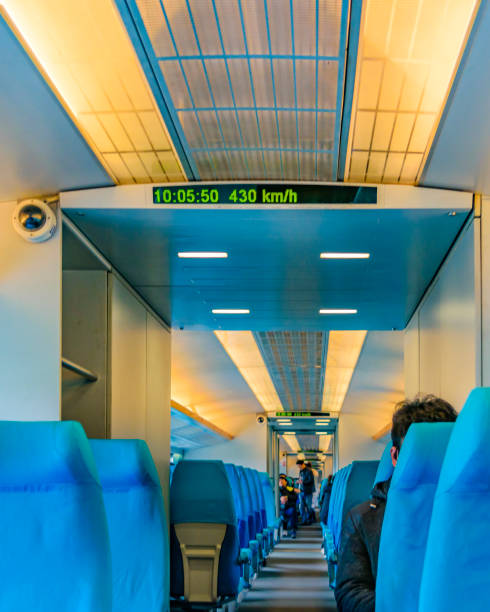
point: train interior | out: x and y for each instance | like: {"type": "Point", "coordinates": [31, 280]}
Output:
{"type": "Point", "coordinates": [234, 234]}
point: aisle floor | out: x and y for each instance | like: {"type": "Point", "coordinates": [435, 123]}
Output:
{"type": "Point", "coordinates": [295, 577]}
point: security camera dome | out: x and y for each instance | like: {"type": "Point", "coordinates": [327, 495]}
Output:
{"type": "Point", "coordinates": [34, 220]}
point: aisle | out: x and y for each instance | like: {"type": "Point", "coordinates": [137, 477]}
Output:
{"type": "Point", "coordinates": [295, 578]}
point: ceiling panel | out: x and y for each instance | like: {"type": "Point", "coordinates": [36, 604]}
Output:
{"type": "Point", "coordinates": [296, 361]}
{"type": "Point", "coordinates": [36, 133]}
{"type": "Point", "coordinates": [262, 78]}
{"type": "Point", "coordinates": [274, 266]}
{"type": "Point", "coordinates": [88, 57]}
{"type": "Point", "coordinates": [460, 155]}
{"type": "Point", "coordinates": [408, 53]}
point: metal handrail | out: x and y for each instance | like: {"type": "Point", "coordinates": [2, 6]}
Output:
{"type": "Point", "coordinates": [81, 371]}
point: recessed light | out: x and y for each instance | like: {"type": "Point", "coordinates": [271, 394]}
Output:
{"type": "Point", "coordinates": [337, 311]}
{"type": "Point", "coordinates": [345, 255]}
{"type": "Point", "coordinates": [202, 255]}
{"type": "Point", "coordinates": [322, 422]}
{"type": "Point", "coordinates": [284, 420]}
{"type": "Point", "coordinates": [289, 433]}
{"type": "Point", "coordinates": [230, 311]}
{"type": "Point", "coordinates": [321, 433]}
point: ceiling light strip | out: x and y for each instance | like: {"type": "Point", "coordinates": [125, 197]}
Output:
{"type": "Point", "coordinates": [402, 84]}
{"type": "Point", "coordinates": [344, 348]}
{"type": "Point", "coordinates": [92, 67]}
{"type": "Point", "coordinates": [245, 354]}
{"type": "Point", "coordinates": [345, 255]}
{"type": "Point", "coordinates": [202, 255]}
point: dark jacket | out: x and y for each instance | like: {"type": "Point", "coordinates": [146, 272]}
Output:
{"type": "Point", "coordinates": [290, 494]}
{"type": "Point", "coordinates": [325, 503]}
{"type": "Point", "coordinates": [307, 481]}
{"type": "Point", "coordinates": [358, 555]}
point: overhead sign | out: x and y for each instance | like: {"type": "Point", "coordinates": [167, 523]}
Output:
{"type": "Point", "coordinates": [263, 193]}
{"type": "Point", "coordinates": [302, 414]}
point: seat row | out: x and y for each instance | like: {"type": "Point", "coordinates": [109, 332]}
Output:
{"type": "Point", "coordinates": [436, 527]}
{"type": "Point", "coordinates": [223, 524]}
{"type": "Point", "coordinates": [83, 522]}
{"type": "Point", "coordinates": [351, 486]}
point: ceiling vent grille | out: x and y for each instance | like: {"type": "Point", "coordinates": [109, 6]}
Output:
{"type": "Point", "coordinates": [296, 362]}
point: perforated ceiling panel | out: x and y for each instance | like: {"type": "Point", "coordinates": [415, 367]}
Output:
{"type": "Point", "coordinates": [256, 85]}
{"type": "Point", "coordinates": [296, 362]}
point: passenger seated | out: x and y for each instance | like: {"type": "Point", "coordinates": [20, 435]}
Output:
{"type": "Point", "coordinates": [361, 531]}
{"type": "Point", "coordinates": [288, 499]}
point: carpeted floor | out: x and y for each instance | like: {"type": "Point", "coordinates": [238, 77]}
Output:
{"type": "Point", "coordinates": [295, 578]}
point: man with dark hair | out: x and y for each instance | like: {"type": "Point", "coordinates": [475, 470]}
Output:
{"type": "Point", "coordinates": [307, 487]}
{"type": "Point", "coordinates": [361, 530]}
{"type": "Point", "coordinates": [288, 499]}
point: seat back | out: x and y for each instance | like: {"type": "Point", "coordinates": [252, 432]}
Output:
{"type": "Point", "coordinates": [385, 467]}
{"type": "Point", "coordinates": [138, 527]}
{"type": "Point", "coordinates": [335, 509]}
{"type": "Point", "coordinates": [247, 501]}
{"type": "Point", "coordinates": [204, 539]}
{"type": "Point", "coordinates": [270, 506]}
{"type": "Point", "coordinates": [457, 561]}
{"type": "Point", "coordinates": [242, 516]}
{"type": "Point", "coordinates": [54, 541]}
{"type": "Point", "coordinates": [255, 499]}
{"type": "Point", "coordinates": [261, 498]}
{"type": "Point", "coordinates": [407, 516]}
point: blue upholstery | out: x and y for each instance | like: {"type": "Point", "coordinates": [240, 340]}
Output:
{"type": "Point", "coordinates": [137, 525]}
{"type": "Point", "coordinates": [385, 467]}
{"type": "Point", "coordinates": [201, 493]}
{"type": "Point", "coordinates": [54, 541]}
{"type": "Point", "coordinates": [407, 516]}
{"type": "Point", "coordinates": [255, 499]}
{"type": "Point", "coordinates": [270, 506]}
{"type": "Point", "coordinates": [457, 562]}
{"type": "Point", "coordinates": [336, 502]}
{"type": "Point", "coordinates": [261, 498]}
{"type": "Point", "coordinates": [247, 497]}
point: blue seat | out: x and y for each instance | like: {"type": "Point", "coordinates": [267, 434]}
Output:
{"type": "Point", "coordinates": [54, 541]}
{"type": "Point", "coordinates": [273, 521]}
{"type": "Point", "coordinates": [268, 532]}
{"type": "Point", "coordinates": [407, 516]}
{"type": "Point", "coordinates": [257, 530]}
{"type": "Point", "coordinates": [204, 541]}
{"type": "Point", "coordinates": [385, 467]}
{"type": "Point", "coordinates": [457, 562]}
{"type": "Point", "coordinates": [248, 515]}
{"type": "Point", "coordinates": [246, 552]}
{"type": "Point", "coordinates": [138, 527]}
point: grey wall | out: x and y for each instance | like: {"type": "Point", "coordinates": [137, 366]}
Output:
{"type": "Point", "coordinates": [30, 324]}
{"type": "Point", "coordinates": [442, 342]}
{"type": "Point", "coordinates": [85, 343]}
{"type": "Point", "coordinates": [140, 377]}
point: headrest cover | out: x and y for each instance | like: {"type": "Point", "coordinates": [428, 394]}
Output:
{"type": "Point", "coordinates": [233, 478]}
{"type": "Point", "coordinates": [385, 467]}
{"type": "Point", "coordinates": [468, 453]}
{"type": "Point", "coordinates": [246, 494]}
{"type": "Point", "coordinates": [252, 487]}
{"type": "Point", "coordinates": [44, 453]}
{"type": "Point", "coordinates": [124, 463]}
{"type": "Point", "coordinates": [201, 493]}
{"type": "Point", "coordinates": [421, 455]}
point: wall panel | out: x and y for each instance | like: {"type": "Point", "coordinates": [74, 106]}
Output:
{"type": "Point", "coordinates": [30, 324]}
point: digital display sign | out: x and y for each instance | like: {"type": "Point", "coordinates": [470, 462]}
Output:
{"type": "Point", "coordinates": [302, 414]}
{"type": "Point", "coordinates": [263, 193]}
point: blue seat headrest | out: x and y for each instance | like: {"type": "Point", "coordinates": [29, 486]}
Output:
{"type": "Point", "coordinates": [124, 463]}
{"type": "Point", "coordinates": [421, 455]}
{"type": "Point", "coordinates": [467, 463]}
{"type": "Point", "coordinates": [233, 478]}
{"type": "Point", "coordinates": [201, 493]}
{"type": "Point", "coordinates": [246, 494]}
{"type": "Point", "coordinates": [385, 467]}
{"type": "Point", "coordinates": [457, 559]}
{"type": "Point", "coordinates": [43, 453]}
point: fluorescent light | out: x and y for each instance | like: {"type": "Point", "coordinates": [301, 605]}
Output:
{"type": "Point", "coordinates": [344, 348]}
{"type": "Point", "coordinates": [337, 311]}
{"type": "Point", "coordinates": [322, 422]}
{"type": "Point", "coordinates": [93, 69]}
{"type": "Point", "coordinates": [289, 433]}
{"type": "Point", "coordinates": [202, 255]}
{"type": "Point", "coordinates": [245, 354]}
{"type": "Point", "coordinates": [284, 422]}
{"type": "Point", "coordinates": [230, 311]}
{"type": "Point", "coordinates": [345, 255]}
{"type": "Point", "coordinates": [320, 433]}
{"type": "Point", "coordinates": [406, 63]}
